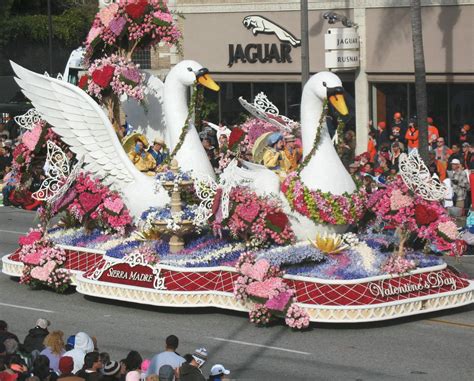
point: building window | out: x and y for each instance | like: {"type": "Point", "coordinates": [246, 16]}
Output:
{"type": "Point", "coordinates": [142, 57]}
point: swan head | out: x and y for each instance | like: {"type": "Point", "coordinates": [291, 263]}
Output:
{"type": "Point", "coordinates": [328, 85]}
{"type": "Point", "coordinates": [187, 72]}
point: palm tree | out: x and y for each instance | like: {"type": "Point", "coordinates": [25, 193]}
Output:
{"type": "Point", "coordinates": [420, 77]}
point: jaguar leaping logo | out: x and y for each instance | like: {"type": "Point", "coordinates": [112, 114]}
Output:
{"type": "Point", "coordinates": [260, 24]}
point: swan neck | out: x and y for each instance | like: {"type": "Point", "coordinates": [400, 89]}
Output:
{"type": "Point", "coordinates": [175, 108]}
{"type": "Point", "coordinates": [311, 109]}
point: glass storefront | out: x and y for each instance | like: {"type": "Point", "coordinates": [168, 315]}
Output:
{"type": "Point", "coordinates": [450, 105]}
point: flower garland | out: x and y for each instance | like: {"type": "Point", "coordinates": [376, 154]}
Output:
{"type": "Point", "coordinates": [196, 90]}
{"type": "Point", "coordinates": [323, 207]}
{"type": "Point", "coordinates": [263, 283]}
{"type": "Point", "coordinates": [43, 263]}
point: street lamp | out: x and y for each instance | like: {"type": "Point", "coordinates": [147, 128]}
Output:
{"type": "Point", "coordinates": [334, 17]}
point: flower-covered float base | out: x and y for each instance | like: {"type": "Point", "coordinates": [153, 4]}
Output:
{"type": "Point", "coordinates": [345, 287]}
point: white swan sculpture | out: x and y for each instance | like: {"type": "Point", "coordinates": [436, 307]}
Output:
{"type": "Point", "coordinates": [83, 125]}
{"type": "Point", "coordinates": [324, 171]}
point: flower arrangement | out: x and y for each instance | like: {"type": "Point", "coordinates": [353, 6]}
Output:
{"type": "Point", "coordinates": [259, 221]}
{"type": "Point", "coordinates": [129, 25]}
{"type": "Point", "coordinates": [237, 135]}
{"type": "Point", "coordinates": [322, 207]}
{"type": "Point", "coordinates": [94, 205]}
{"type": "Point", "coordinates": [398, 265]}
{"type": "Point", "coordinates": [43, 263]}
{"type": "Point", "coordinates": [262, 283]}
{"type": "Point", "coordinates": [396, 207]}
{"type": "Point", "coordinates": [113, 75]}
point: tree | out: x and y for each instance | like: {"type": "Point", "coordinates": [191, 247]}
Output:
{"type": "Point", "coordinates": [420, 78]}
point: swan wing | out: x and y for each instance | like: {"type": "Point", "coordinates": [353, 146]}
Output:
{"type": "Point", "coordinates": [148, 120]}
{"type": "Point", "coordinates": [81, 123]}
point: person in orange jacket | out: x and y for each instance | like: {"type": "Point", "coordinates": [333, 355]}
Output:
{"type": "Point", "coordinates": [412, 136]}
{"type": "Point", "coordinates": [372, 146]}
{"type": "Point", "coordinates": [433, 133]}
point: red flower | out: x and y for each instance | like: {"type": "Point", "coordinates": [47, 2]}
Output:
{"type": "Point", "coordinates": [217, 201]}
{"type": "Point", "coordinates": [236, 136]}
{"type": "Point", "coordinates": [136, 10]}
{"type": "Point", "coordinates": [424, 215]}
{"type": "Point", "coordinates": [83, 82]}
{"type": "Point", "coordinates": [277, 221]}
{"type": "Point", "coordinates": [102, 77]}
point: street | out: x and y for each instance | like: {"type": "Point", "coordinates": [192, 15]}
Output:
{"type": "Point", "coordinates": [433, 346]}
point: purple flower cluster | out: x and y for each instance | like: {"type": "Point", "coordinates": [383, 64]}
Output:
{"type": "Point", "coordinates": [291, 255]}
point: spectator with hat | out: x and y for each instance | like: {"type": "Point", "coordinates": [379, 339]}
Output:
{"type": "Point", "coordinates": [381, 134]}
{"type": "Point", "coordinates": [292, 152]}
{"type": "Point", "coordinates": [465, 134]}
{"type": "Point", "coordinates": [168, 357]}
{"type": "Point", "coordinates": [218, 373]}
{"type": "Point", "coordinates": [111, 371]}
{"type": "Point", "coordinates": [34, 339]}
{"type": "Point", "coordinates": [157, 151]}
{"type": "Point", "coordinates": [66, 364]}
{"type": "Point", "coordinates": [190, 370]}
{"type": "Point", "coordinates": [166, 373]}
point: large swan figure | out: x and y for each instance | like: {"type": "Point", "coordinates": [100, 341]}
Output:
{"type": "Point", "coordinates": [324, 171]}
{"type": "Point", "coordinates": [83, 125]}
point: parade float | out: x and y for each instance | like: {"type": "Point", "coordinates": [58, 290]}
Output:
{"type": "Point", "coordinates": [306, 246]}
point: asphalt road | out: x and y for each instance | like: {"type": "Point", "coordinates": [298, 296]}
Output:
{"type": "Point", "coordinates": [436, 346]}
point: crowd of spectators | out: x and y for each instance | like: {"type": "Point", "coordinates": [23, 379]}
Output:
{"type": "Point", "coordinates": [45, 356]}
{"type": "Point", "coordinates": [387, 141]}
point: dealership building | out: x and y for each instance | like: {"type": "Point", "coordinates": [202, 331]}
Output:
{"type": "Point", "coordinates": [251, 47]}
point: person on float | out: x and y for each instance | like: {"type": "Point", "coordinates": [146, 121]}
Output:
{"type": "Point", "coordinates": [442, 153]}
{"type": "Point", "coordinates": [274, 157]}
{"type": "Point", "coordinates": [433, 133]}
{"type": "Point", "coordinates": [412, 136]}
{"type": "Point", "coordinates": [460, 183]}
{"type": "Point", "coordinates": [398, 129]}
{"type": "Point", "coordinates": [142, 159]}
{"type": "Point", "coordinates": [158, 151]}
{"type": "Point", "coordinates": [292, 152]}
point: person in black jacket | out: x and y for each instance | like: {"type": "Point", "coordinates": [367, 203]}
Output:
{"type": "Point", "coordinates": [34, 339]}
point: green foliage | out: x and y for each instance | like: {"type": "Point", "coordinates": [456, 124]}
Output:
{"type": "Point", "coordinates": [71, 27]}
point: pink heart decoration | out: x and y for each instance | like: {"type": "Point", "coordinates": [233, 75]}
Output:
{"type": "Point", "coordinates": [89, 200]}
{"type": "Point", "coordinates": [279, 302]}
{"type": "Point", "coordinates": [267, 289]}
{"type": "Point", "coordinates": [42, 272]}
{"type": "Point", "coordinates": [256, 271]}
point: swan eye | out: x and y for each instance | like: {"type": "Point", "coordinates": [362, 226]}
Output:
{"type": "Point", "coordinates": [324, 84]}
{"type": "Point", "coordinates": [190, 69]}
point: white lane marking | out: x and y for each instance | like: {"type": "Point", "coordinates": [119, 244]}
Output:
{"type": "Point", "coordinates": [13, 232]}
{"type": "Point", "coordinates": [26, 308]}
{"type": "Point", "coordinates": [260, 346]}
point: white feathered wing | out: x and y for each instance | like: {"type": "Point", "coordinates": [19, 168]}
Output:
{"type": "Point", "coordinates": [82, 124]}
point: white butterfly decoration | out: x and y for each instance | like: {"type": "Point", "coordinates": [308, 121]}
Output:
{"type": "Point", "coordinates": [28, 119]}
{"type": "Point", "coordinates": [417, 177]}
{"type": "Point", "coordinates": [59, 175]}
{"type": "Point", "coordinates": [262, 108]}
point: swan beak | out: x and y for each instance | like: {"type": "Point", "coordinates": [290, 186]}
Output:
{"type": "Point", "coordinates": [208, 82]}
{"type": "Point", "coordinates": [337, 100]}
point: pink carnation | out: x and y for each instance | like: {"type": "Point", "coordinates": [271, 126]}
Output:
{"type": "Point", "coordinates": [31, 138]}
{"type": "Point", "coordinates": [93, 34]}
{"type": "Point", "coordinates": [30, 238]}
{"type": "Point", "coordinates": [449, 229]}
{"type": "Point", "coordinates": [114, 205]}
{"type": "Point", "coordinates": [398, 200]}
